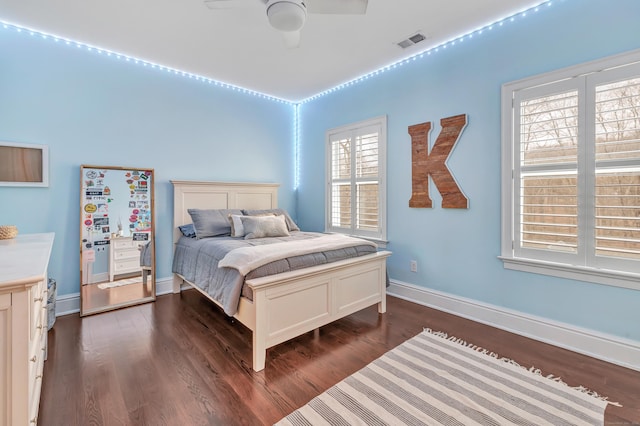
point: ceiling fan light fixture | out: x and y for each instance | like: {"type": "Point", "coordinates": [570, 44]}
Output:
{"type": "Point", "coordinates": [286, 15]}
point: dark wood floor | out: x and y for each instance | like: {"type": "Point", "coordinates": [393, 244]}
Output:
{"type": "Point", "coordinates": [180, 361]}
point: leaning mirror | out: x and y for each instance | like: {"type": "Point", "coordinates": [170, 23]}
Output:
{"type": "Point", "coordinates": [117, 253]}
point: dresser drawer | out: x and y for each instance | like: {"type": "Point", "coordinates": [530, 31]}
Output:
{"type": "Point", "coordinates": [35, 379]}
{"type": "Point", "coordinates": [122, 243]}
{"type": "Point", "coordinates": [35, 345]}
{"type": "Point", "coordinates": [125, 243]}
{"type": "Point", "coordinates": [37, 299]}
{"type": "Point", "coordinates": [126, 254]}
{"type": "Point", "coordinates": [123, 266]}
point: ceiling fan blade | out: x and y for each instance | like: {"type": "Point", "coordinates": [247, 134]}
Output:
{"type": "Point", "coordinates": [337, 7]}
{"type": "Point", "coordinates": [225, 4]}
{"type": "Point", "coordinates": [291, 39]}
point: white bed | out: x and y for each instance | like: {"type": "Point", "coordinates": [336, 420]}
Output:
{"type": "Point", "coordinates": [289, 304]}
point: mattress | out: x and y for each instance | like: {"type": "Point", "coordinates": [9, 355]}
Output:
{"type": "Point", "coordinates": [197, 262]}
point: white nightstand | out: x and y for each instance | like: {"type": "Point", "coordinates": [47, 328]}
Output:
{"type": "Point", "coordinates": [124, 256]}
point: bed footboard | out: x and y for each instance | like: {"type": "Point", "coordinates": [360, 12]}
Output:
{"type": "Point", "coordinates": [293, 303]}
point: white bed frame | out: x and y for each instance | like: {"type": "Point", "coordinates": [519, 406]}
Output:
{"type": "Point", "coordinates": [289, 304]}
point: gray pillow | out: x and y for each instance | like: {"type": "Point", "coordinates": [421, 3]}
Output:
{"type": "Point", "coordinates": [188, 230]}
{"type": "Point", "coordinates": [264, 226]}
{"type": "Point", "coordinates": [212, 223]}
{"type": "Point", "coordinates": [291, 225]}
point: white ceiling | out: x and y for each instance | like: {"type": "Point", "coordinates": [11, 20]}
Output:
{"type": "Point", "coordinates": [237, 46]}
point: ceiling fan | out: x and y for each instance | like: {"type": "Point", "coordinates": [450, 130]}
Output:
{"type": "Point", "coordinates": [289, 16]}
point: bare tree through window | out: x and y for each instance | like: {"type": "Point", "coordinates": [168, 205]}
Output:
{"type": "Point", "coordinates": [549, 204]}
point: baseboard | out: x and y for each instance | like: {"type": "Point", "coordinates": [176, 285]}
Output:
{"type": "Point", "coordinates": [70, 303]}
{"type": "Point", "coordinates": [99, 278]}
{"type": "Point", "coordinates": [164, 286]}
{"type": "Point", "coordinates": [606, 347]}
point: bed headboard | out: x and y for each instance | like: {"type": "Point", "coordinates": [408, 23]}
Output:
{"type": "Point", "coordinates": [219, 195]}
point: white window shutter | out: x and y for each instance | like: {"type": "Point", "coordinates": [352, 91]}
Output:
{"type": "Point", "coordinates": [356, 198]}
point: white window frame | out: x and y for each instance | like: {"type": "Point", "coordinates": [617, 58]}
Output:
{"type": "Point", "coordinates": [583, 265]}
{"type": "Point", "coordinates": [379, 237]}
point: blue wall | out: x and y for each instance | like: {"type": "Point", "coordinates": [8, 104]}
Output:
{"type": "Point", "coordinates": [457, 250]}
{"type": "Point", "coordinates": [93, 109]}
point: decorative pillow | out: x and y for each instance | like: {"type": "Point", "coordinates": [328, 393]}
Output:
{"type": "Point", "coordinates": [264, 226]}
{"type": "Point", "coordinates": [291, 225]}
{"type": "Point", "coordinates": [188, 230]}
{"type": "Point", "coordinates": [237, 229]}
{"type": "Point", "coordinates": [212, 223]}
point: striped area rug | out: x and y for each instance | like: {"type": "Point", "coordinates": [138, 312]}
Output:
{"type": "Point", "coordinates": [433, 379]}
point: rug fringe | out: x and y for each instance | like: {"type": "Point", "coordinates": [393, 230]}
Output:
{"type": "Point", "coordinates": [532, 369]}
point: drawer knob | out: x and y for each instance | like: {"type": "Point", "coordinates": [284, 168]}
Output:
{"type": "Point", "coordinates": [38, 299]}
{"type": "Point", "coordinates": [39, 376]}
{"type": "Point", "coordinates": [33, 359]}
{"type": "Point", "coordinates": [39, 327]}
{"type": "Point", "coordinates": [34, 420]}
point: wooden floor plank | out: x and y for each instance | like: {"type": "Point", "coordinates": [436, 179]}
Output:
{"type": "Point", "coordinates": [181, 361]}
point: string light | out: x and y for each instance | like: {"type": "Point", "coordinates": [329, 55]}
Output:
{"type": "Point", "coordinates": [93, 49]}
{"type": "Point", "coordinates": [428, 52]}
{"type": "Point", "coordinates": [296, 146]}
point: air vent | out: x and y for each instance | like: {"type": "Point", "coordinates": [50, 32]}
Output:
{"type": "Point", "coordinates": [405, 43]}
{"type": "Point", "coordinates": [410, 41]}
{"type": "Point", "coordinates": [417, 38]}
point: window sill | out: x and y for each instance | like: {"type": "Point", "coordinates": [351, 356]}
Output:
{"type": "Point", "coordinates": [581, 273]}
{"type": "Point", "coordinates": [380, 243]}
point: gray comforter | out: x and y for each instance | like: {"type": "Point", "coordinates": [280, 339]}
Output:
{"type": "Point", "coordinates": [145, 254]}
{"type": "Point", "coordinates": [197, 261]}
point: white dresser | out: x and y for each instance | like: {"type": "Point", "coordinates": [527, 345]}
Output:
{"type": "Point", "coordinates": [124, 256]}
{"type": "Point", "coordinates": [23, 326]}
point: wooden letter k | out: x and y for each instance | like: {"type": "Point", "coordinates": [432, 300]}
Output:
{"type": "Point", "coordinates": [425, 163]}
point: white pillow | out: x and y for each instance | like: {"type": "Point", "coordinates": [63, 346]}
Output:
{"type": "Point", "coordinates": [237, 229]}
{"type": "Point", "coordinates": [264, 226]}
{"type": "Point", "coordinates": [291, 225]}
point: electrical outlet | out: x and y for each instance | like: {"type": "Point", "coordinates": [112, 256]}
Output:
{"type": "Point", "coordinates": [414, 266]}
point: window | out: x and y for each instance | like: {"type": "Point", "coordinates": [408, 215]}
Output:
{"type": "Point", "coordinates": [571, 173]}
{"type": "Point", "coordinates": [356, 174]}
